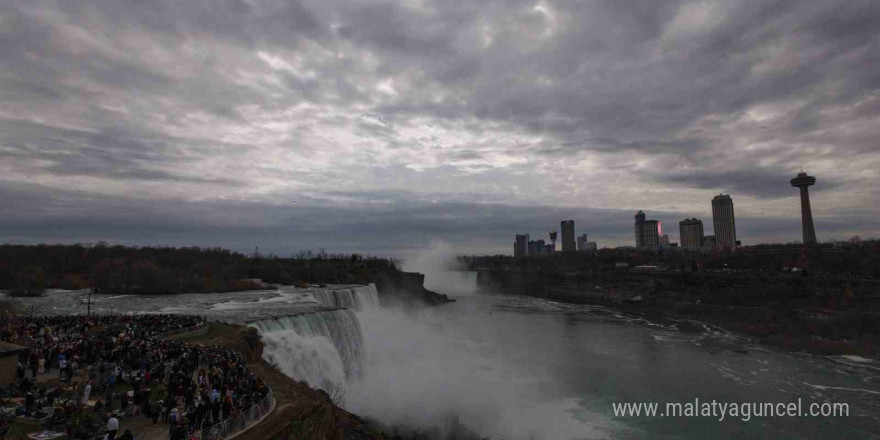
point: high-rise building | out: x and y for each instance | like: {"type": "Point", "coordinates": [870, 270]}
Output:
{"type": "Point", "coordinates": [592, 246]}
{"type": "Point", "coordinates": [536, 248]}
{"type": "Point", "coordinates": [724, 222]}
{"type": "Point", "coordinates": [521, 246]}
{"type": "Point", "coordinates": [803, 181]}
{"type": "Point", "coordinates": [640, 224]}
{"type": "Point", "coordinates": [568, 244]}
{"type": "Point", "coordinates": [582, 243]}
{"type": "Point", "coordinates": [690, 231]}
{"type": "Point", "coordinates": [648, 232]}
{"type": "Point", "coordinates": [553, 240]}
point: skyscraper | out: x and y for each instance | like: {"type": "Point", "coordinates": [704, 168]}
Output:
{"type": "Point", "coordinates": [647, 231]}
{"type": "Point", "coordinates": [582, 243]}
{"type": "Point", "coordinates": [640, 224]}
{"type": "Point", "coordinates": [568, 244]}
{"type": "Point", "coordinates": [521, 246]}
{"type": "Point", "coordinates": [690, 231]}
{"type": "Point", "coordinates": [536, 247]}
{"type": "Point", "coordinates": [724, 222]}
{"type": "Point", "coordinates": [803, 181]}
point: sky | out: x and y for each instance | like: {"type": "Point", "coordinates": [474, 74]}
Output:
{"type": "Point", "coordinates": [380, 126]}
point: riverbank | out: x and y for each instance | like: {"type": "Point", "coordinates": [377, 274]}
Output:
{"type": "Point", "coordinates": [823, 316]}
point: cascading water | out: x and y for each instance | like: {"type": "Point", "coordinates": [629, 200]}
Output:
{"type": "Point", "coordinates": [323, 348]}
{"type": "Point", "coordinates": [358, 298]}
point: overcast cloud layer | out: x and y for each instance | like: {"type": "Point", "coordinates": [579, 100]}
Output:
{"type": "Point", "coordinates": [377, 126]}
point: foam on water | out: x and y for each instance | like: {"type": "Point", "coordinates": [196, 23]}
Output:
{"type": "Point", "coordinates": [357, 298]}
{"type": "Point", "coordinates": [858, 390]}
{"type": "Point", "coordinates": [307, 336]}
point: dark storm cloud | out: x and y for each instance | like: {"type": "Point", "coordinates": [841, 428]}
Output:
{"type": "Point", "coordinates": [386, 118]}
{"type": "Point", "coordinates": [760, 183]}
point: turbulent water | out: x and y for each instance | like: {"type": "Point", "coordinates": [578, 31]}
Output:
{"type": "Point", "coordinates": [357, 298]}
{"type": "Point", "coordinates": [321, 348]}
{"type": "Point", "coordinates": [246, 306]}
{"type": "Point", "coordinates": [526, 368]}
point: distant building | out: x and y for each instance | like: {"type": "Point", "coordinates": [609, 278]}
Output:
{"type": "Point", "coordinates": [521, 246]}
{"type": "Point", "coordinates": [724, 222]}
{"type": "Point", "coordinates": [592, 246]}
{"type": "Point", "coordinates": [541, 247]}
{"type": "Point", "coordinates": [691, 233]}
{"type": "Point", "coordinates": [640, 223]}
{"type": "Point", "coordinates": [568, 244]}
{"type": "Point", "coordinates": [664, 240]}
{"type": "Point", "coordinates": [803, 181]}
{"type": "Point", "coordinates": [534, 248]}
{"type": "Point", "coordinates": [582, 242]}
{"type": "Point", "coordinates": [709, 242]}
{"type": "Point", "coordinates": [647, 231]}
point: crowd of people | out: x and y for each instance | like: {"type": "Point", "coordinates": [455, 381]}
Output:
{"type": "Point", "coordinates": [119, 366]}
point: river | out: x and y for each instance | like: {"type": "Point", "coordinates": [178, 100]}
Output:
{"type": "Point", "coordinates": [519, 367]}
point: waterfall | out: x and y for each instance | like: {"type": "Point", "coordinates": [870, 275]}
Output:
{"type": "Point", "coordinates": [323, 348]}
{"type": "Point", "coordinates": [358, 298]}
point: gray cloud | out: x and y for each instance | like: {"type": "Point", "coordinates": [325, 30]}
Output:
{"type": "Point", "coordinates": [377, 223]}
{"type": "Point", "coordinates": [390, 122]}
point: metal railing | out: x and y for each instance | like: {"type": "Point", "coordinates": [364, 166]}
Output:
{"type": "Point", "coordinates": [238, 423]}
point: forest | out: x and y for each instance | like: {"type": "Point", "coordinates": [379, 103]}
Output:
{"type": "Point", "coordinates": [27, 270]}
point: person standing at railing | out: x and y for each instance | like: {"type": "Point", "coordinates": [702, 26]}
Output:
{"type": "Point", "coordinates": [86, 391]}
{"type": "Point", "coordinates": [172, 420]}
{"type": "Point", "coordinates": [156, 409]}
{"type": "Point", "coordinates": [215, 409]}
{"type": "Point", "coordinates": [227, 407]}
{"type": "Point", "coordinates": [112, 427]}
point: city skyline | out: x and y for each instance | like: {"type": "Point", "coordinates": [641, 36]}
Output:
{"type": "Point", "coordinates": [692, 235]}
{"type": "Point", "coordinates": [379, 127]}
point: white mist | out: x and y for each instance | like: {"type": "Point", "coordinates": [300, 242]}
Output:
{"type": "Point", "coordinates": [441, 270]}
{"type": "Point", "coordinates": [466, 360]}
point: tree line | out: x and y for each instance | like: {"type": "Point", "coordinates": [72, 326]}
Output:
{"type": "Point", "coordinates": [27, 270]}
{"type": "Point", "coordinates": [853, 259]}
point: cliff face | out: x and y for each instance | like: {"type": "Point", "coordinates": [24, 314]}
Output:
{"type": "Point", "coordinates": [301, 412]}
{"type": "Point", "coordinates": [406, 288]}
